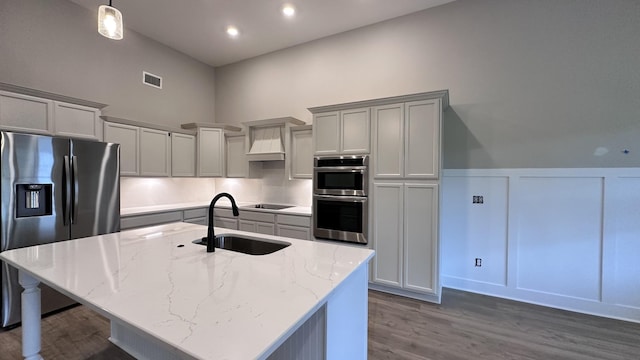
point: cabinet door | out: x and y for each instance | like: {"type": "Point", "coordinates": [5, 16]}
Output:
{"type": "Point", "coordinates": [155, 152]}
{"type": "Point", "coordinates": [387, 233]}
{"type": "Point", "coordinates": [25, 113]}
{"type": "Point", "coordinates": [237, 166]}
{"type": "Point", "coordinates": [183, 155]}
{"type": "Point", "coordinates": [388, 131]}
{"type": "Point", "coordinates": [127, 137]}
{"type": "Point", "coordinates": [265, 228]}
{"type": "Point", "coordinates": [77, 121]}
{"type": "Point", "coordinates": [422, 134]}
{"type": "Point", "coordinates": [420, 238]}
{"type": "Point", "coordinates": [355, 131]}
{"type": "Point", "coordinates": [247, 225]}
{"type": "Point", "coordinates": [296, 232]}
{"type": "Point", "coordinates": [326, 133]}
{"type": "Point", "coordinates": [210, 152]}
{"type": "Point", "coordinates": [301, 154]}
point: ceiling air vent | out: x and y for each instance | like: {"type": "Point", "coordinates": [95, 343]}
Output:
{"type": "Point", "coordinates": [152, 80]}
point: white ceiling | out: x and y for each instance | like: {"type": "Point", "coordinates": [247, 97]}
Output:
{"type": "Point", "coordinates": [198, 27]}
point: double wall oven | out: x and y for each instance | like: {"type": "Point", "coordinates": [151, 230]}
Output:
{"type": "Point", "coordinates": [340, 198]}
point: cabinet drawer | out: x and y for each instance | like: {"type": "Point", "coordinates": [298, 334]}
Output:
{"type": "Point", "coordinates": [199, 221]}
{"type": "Point", "coordinates": [195, 213]}
{"type": "Point", "coordinates": [257, 216]}
{"type": "Point", "coordinates": [228, 213]}
{"type": "Point", "coordinates": [294, 220]}
{"type": "Point", "coordinates": [131, 222]}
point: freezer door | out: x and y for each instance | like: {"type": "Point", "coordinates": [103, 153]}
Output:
{"type": "Point", "coordinates": [96, 188]}
{"type": "Point", "coordinates": [32, 160]}
{"type": "Point", "coordinates": [31, 215]}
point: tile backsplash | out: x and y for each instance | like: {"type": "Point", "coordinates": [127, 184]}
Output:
{"type": "Point", "coordinates": [273, 187]}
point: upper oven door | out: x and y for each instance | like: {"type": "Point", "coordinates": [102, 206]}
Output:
{"type": "Point", "coordinates": [344, 181]}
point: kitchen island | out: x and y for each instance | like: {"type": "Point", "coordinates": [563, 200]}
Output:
{"type": "Point", "coordinates": [167, 298]}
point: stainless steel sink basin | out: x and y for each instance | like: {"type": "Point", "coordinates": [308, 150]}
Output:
{"type": "Point", "coordinates": [245, 244]}
{"type": "Point", "coordinates": [270, 206]}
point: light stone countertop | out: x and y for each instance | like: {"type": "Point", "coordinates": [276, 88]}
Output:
{"type": "Point", "coordinates": [222, 305]}
{"type": "Point", "coordinates": [223, 203]}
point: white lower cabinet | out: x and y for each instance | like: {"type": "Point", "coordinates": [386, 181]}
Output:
{"type": "Point", "coordinates": [296, 232]}
{"type": "Point", "coordinates": [405, 236]}
{"type": "Point", "coordinates": [257, 227]}
{"type": "Point", "coordinates": [257, 222]}
{"type": "Point", "coordinates": [297, 227]}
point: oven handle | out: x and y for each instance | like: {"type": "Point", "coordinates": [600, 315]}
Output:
{"type": "Point", "coordinates": [341, 198]}
{"type": "Point", "coordinates": [340, 169]}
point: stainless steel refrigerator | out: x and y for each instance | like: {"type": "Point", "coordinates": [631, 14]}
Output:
{"type": "Point", "coordinates": [53, 189]}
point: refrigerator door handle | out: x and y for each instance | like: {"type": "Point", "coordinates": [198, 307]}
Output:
{"type": "Point", "coordinates": [74, 209]}
{"type": "Point", "coordinates": [66, 190]}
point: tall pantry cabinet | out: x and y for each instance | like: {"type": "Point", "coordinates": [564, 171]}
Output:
{"type": "Point", "coordinates": [406, 140]}
{"type": "Point", "coordinates": [404, 183]}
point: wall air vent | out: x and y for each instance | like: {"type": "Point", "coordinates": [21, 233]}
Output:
{"type": "Point", "coordinates": [152, 80]}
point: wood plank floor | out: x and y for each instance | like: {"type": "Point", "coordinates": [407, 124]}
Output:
{"type": "Point", "coordinates": [464, 326]}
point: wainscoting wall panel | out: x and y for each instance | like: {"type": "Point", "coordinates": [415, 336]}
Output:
{"type": "Point", "coordinates": [559, 235]}
{"type": "Point", "coordinates": [480, 229]}
{"type": "Point", "coordinates": [565, 238]}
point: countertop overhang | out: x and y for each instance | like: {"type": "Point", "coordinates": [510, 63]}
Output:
{"type": "Point", "coordinates": [221, 305]}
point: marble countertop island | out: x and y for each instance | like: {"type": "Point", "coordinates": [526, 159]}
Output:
{"type": "Point", "coordinates": [221, 305]}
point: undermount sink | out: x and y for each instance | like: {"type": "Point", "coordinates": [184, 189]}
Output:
{"type": "Point", "coordinates": [245, 244]}
{"type": "Point", "coordinates": [270, 206]}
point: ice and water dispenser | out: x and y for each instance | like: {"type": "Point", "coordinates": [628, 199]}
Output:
{"type": "Point", "coordinates": [33, 200]}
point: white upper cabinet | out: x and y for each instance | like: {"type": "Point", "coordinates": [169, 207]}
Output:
{"type": "Point", "coordinates": [77, 121]}
{"type": "Point", "coordinates": [155, 152]}
{"type": "Point", "coordinates": [210, 152]}
{"type": "Point", "coordinates": [26, 113]}
{"type": "Point", "coordinates": [48, 115]}
{"type": "Point", "coordinates": [210, 148]}
{"type": "Point", "coordinates": [355, 131]}
{"type": "Point", "coordinates": [406, 140]}
{"type": "Point", "coordinates": [128, 138]}
{"type": "Point", "coordinates": [422, 133]}
{"type": "Point", "coordinates": [183, 154]}
{"type": "Point", "coordinates": [342, 132]}
{"type": "Point", "coordinates": [326, 133]}
{"type": "Point", "coordinates": [237, 164]}
{"type": "Point", "coordinates": [301, 163]}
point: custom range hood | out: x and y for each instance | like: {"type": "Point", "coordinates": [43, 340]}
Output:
{"type": "Point", "coordinates": [268, 140]}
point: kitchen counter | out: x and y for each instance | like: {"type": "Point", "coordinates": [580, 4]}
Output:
{"type": "Point", "coordinates": [222, 203]}
{"type": "Point", "coordinates": [181, 301]}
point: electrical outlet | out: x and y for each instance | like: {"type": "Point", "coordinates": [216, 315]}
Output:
{"type": "Point", "coordinates": [478, 262]}
{"type": "Point", "coordinates": [478, 199]}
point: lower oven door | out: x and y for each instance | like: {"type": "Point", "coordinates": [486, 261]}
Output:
{"type": "Point", "coordinates": [342, 218]}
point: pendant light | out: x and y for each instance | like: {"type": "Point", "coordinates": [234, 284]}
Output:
{"type": "Point", "coordinates": [110, 22]}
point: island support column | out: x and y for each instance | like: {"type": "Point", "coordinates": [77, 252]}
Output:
{"type": "Point", "coordinates": [31, 313]}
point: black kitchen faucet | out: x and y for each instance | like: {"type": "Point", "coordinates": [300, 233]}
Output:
{"type": "Point", "coordinates": [211, 237]}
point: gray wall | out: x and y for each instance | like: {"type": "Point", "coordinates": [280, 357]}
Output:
{"type": "Point", "coordinates": [533, 83]}
{"type": "Point", "coordinates": [54, 46]}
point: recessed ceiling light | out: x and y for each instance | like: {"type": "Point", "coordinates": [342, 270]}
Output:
{"type": "Point", "coordinates": [232, 31]}
{"type": "Point", "coordinates": [288, 10]}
